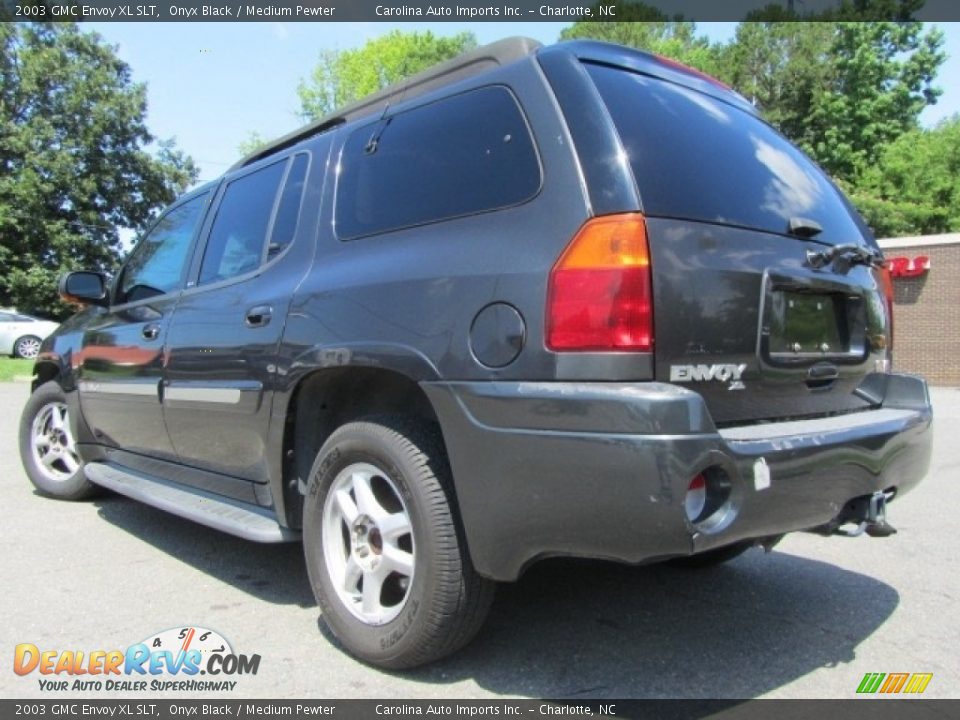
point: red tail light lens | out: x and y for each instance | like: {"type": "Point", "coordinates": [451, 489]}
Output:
{"type": "Point", "coordinates": [600, 295]}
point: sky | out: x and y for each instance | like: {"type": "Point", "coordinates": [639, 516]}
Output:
{"type": "Point", "coordinates": [209, 85]}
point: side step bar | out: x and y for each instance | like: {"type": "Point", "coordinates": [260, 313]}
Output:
{"type": "Point", "coordinates": [229, 516]}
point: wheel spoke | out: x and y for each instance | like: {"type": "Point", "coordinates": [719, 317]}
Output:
{"type": "Point", "coordinates": [347, 507]}
{"type": "Point", "coordinates": [372, 585]}
{"type": "Point", "coordinates": [394, 526]}
{"type": "Point", "coordinates": [49, 458]}
{"type": "Point", "coordinates": [69, 461]}
{"type": "Point", "coordinates": [351, 575]}
{"type": "Point", "coordinates": [397, 560]}
{"type": "Point", "coordinates": [67, 434]}
{"type": "Point", "coordinates": [366, 501]}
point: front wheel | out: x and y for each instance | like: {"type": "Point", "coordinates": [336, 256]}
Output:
{"type": "Point", "coordinates": [386, 557]}
{"type": "Point", "coordinates": [27, 347]}
{"type": "Point", "coordinates": [47, 448]}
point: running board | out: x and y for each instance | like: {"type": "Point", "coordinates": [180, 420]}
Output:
{"type": "Point", "coordinates": [230, 516]}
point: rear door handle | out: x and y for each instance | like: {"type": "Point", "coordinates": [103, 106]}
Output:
{"type": "Point", "coordinates": [150, 332]}
{"type": "Point", "coordinates": [259, 316]}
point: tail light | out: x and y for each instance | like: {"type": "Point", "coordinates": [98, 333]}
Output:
{"type": "Point", "coordinates": [600, 295]}
{"type": "Point", "coordinates": [886, 284]}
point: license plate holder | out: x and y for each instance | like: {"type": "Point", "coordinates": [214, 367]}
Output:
{"type": "Point", "coordinates": [803, 325]}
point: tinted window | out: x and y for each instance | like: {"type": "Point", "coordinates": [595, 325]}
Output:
{"type": "Point", "coordinates": [239, 232]}
{"type": "Point", "coordinates": [156, 266]}
{"type": "Point", "coordinates": [464, 154]}
{"type": "Point", "coordinates": [288, 211]}
{"type": "Point", "coordinates": [696, 157]}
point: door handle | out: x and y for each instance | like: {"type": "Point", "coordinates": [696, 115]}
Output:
{"type": "Point", "coordinates": [259, 316]}
{"type": "Point", "coordinates": [151, 331]}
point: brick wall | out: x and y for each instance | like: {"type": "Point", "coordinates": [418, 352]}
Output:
{"type": "Point", "coordinates": [926, 309]}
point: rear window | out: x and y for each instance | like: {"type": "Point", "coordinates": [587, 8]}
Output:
{"type": "Point", "coordinates": [697, 158]}
{"type": "Point", "coordinates": [464, 154]}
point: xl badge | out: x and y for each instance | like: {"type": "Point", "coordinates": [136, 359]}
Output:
{"type": "Point", "coordinates": [727, 373]}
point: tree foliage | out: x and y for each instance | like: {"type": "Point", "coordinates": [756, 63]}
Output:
{"type": "Point", "coordinates": [73, 163]}
{"type": "Point", "coordinates": [253, 142]}
{"type": "Point", "coordinates": [914, 187]}
{"type": "Point", "coordinates": [878, 78]}
{"type": "Point", "coordinates": [782, 67]}
{"type": "Point", "coordinates": [342, 76]}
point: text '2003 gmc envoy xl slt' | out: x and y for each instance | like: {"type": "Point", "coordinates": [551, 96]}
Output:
{"type": "Point", "coordinates": [565, 301]}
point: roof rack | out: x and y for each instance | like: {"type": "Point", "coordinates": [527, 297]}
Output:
{"type": "Point", "coordinates": [463, 66]}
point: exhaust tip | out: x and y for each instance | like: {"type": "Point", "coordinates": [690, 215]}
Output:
{"type": "Point", "coordinates": [707, 502]}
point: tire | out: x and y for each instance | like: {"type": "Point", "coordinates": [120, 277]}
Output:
{"type": "Point", "coordinates": [404, 543]}
{"type": "Point", "coordinates": [710, 558]}
{"type": "Point", "coordinates": [27, 347]}
{"type": "Point", "coordinates": [47, 447]}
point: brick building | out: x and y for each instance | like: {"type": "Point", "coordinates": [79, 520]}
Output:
{"type": "Point", "coordinates": [926, 306]}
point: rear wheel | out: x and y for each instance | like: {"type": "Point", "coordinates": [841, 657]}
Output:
{"type": "Point", "coordinates": [27, 347]}
{"type": "Point", "coordinates": [47, 447]}
{"type": "Point", "coordinates": [713, 557]}
{"type": "Point", "coordinates": [385, 554]}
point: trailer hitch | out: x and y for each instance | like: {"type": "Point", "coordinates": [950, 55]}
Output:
{"type": "Point", "coordinates": [873, 521]}
{"type": "Point", "coordinates": [867, 512]}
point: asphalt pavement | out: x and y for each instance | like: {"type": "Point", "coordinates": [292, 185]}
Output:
{"type": "Point", "coordinates": [805, 621]}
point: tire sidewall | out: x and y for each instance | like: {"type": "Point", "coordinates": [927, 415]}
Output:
{"type": "Point", "coordinates": [396, 638]}
{"type": "Point", "coordinates": [74, 487]}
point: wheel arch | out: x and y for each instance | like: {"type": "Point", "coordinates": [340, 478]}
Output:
{"type": "Point", "coordinates": [43, 372]}
{"type": "Point", "coordinates": [326, 398]}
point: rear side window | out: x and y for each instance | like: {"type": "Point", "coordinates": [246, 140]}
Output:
{"type": "Point", "coordinates": [461, 155]}
{"type": "Point", "coordinates": [695, 157]}
{"type": "Point", "coordinates": [288, 210]}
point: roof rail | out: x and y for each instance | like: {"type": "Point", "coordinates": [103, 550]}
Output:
{"type": "Point", "coordinates": [463, 66]}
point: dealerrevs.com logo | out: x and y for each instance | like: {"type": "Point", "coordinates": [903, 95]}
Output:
{"type": "Point", "coordinates": [894, 683]}
{"type": "Point", "coordinates": [174, 659]}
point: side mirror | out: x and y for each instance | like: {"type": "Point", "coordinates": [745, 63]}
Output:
{"type": "Point", "coordinates": [84, 288]}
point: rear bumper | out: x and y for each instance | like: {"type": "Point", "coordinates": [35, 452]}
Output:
{"type": "Point", "coordinates": [601, 469]}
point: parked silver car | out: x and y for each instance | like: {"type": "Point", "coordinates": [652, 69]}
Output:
{"type": "Point", "coordinates": [21, 335]}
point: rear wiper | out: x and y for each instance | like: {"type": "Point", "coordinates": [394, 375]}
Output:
{"type": "Point", "coordinates": [844, 257]}
{"type": "Point", "coordinates": [804, 227]}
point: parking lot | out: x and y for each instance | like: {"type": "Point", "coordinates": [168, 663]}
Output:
{"type": "Point", "coordinates": [806, 621]}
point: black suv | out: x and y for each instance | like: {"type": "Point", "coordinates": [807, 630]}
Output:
{"type": "Point", "coordinates": [565, 301]}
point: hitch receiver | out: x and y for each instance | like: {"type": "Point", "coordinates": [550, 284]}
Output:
{"type": "Point", "coordinates": [869, 512]}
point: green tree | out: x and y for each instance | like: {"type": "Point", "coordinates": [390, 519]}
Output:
{"type": "Point", "coordinates": [253, 142]}
{"type": "Point", "coordinates": [676, 39]}
{"type": "Point", "coordinates": [881, 78]}
{"type": "Point", "coordinates": [73, 161]}
{"type": "Point", "coordinates": [782, 67]}
{"type": "Point", "coordinates": [841, 90]}
{"type": "Point", "coordinates": [342, 76]}
{"type": "Point", "coordinates": [914, 188]}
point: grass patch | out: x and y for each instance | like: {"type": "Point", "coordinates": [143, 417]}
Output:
{"type": "Point", "coordinates": [13, 367]}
